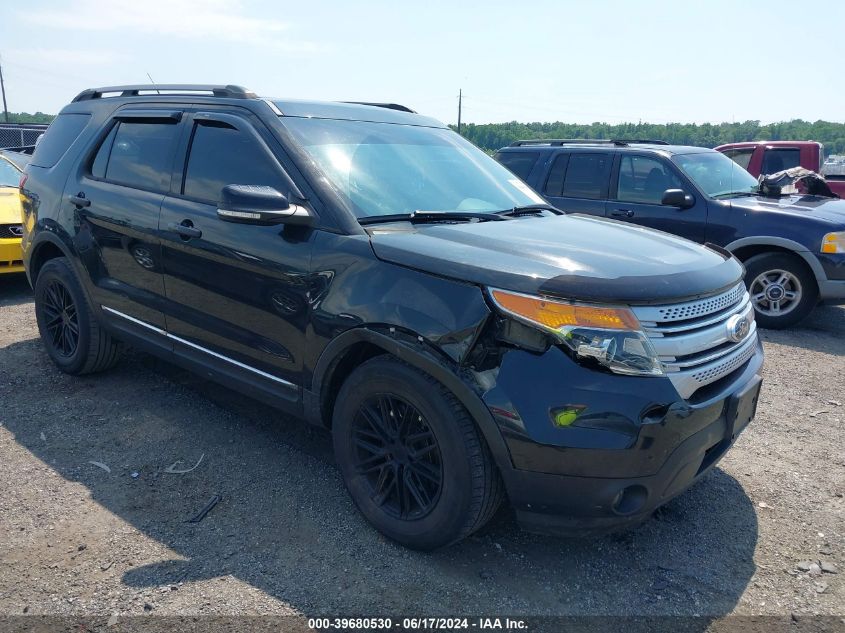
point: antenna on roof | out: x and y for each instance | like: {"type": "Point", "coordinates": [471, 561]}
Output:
{"type": "Point", "coordinates": [153, 83]}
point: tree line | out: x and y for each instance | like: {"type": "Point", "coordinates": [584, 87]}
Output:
{"type": "Point", "coordinates": [492, 136]}
{"type": "Point", "coordinates": [26, 117]}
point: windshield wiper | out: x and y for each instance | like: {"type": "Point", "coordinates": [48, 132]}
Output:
{"type": "Point", "coordinates": [735, 194]}
{"type": "Point", "coordinates": [529, 209]}
{"type": "Point", "coordinates": [420, 217]}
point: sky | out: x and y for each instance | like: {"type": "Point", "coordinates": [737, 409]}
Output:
{"type": "Point", "coordinates": [601, 60]}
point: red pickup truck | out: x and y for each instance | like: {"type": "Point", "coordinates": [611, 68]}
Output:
{"type": "Point", "coordinates": [768, 157]}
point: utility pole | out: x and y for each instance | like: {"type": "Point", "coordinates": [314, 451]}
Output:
{"type": "Point", "coordinates": [3, 90]}
{"type": "Point", "coordinates": [460, 98]}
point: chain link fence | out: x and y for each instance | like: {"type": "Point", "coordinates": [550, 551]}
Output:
{"type": "Point", "coordinates": [19, 134]}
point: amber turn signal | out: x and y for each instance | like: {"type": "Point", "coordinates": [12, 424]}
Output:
{"type": "Point", "coordinates": [556, 315]}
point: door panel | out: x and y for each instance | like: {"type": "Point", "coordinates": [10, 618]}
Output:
{"type": "Point", "coordinates": [237, 292]}
{"type": "Point", "coordinates": [116, 206]}
{"type": "Point", "coordinates": [639, 184]}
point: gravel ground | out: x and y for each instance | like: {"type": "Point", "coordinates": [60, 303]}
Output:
{"type": "Point", "coordinates": [286, 539]}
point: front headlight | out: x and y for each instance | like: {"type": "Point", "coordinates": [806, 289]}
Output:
{"type": "Point", "coordinates": [609, 336]}
{"type": "Point", "coordinates": [834, 242]}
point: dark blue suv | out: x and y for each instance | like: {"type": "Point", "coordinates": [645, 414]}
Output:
{"type": "Point", "coordinates": [793, 246]}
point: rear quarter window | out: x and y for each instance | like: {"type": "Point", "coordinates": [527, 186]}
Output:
{"type": "Point", "coordinates": [520, 163]}
{"type": "Point", "coordinates": [780, 158]}
{"type": "Point", "coordinates": [61, 134]}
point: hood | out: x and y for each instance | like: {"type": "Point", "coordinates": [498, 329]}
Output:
{"type": "Point", "coordinates": [568, 256]}
{"type": "Point", "coordinates": [830, 210]}
{"type": "Point", "coordinates": [10, 205]}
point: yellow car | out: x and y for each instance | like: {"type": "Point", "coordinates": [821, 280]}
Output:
{"type": "Point", "coordinates": [11, 230]}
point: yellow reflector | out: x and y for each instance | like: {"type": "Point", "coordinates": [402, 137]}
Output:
{"type": "Point", "coordinates": [555, 315]}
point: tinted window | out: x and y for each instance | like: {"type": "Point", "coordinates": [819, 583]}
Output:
{"type": "Point", "coordinates": [740, 156]}
{"type": "Point", "coordinates": [520, 163]}
{"type": "Point", "coordinates": [98, 167]}
{"type": "Point", "coordinates": [140, 154]}
{"type": "Point", "coordinates": [644, 180]}
{"type": "Point", "coordinates": [587, 176]}
{"type": "Point", "coordinates": [554, 184]}
{"type": "Point", "coordinates": [63, 131]}
{"type": "Point", "coordinates": [775, 160]}
{"type": "Point", "coordinates": [220, 156]}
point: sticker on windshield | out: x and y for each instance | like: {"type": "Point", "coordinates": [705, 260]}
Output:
{"type": "Point", "coordinates": [528, 191]}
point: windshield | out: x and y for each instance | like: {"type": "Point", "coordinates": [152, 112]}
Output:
{"type": "Point", "coordinates": [716, 174]}
{"type": "Point", "coordinates": [9, 176]}
{"type": "Point", "coordinates": [386, 169]}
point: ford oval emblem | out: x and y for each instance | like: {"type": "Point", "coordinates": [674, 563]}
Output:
{"type": "Point", "coordinates": [737, 327]}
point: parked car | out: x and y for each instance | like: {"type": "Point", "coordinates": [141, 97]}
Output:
{"type": "Point", "coordinates": [366, 268]}
{"type": "Point", "coordinates": [11, 230]}
{"type": "Point", "coordinates": [769, 157]}
{"type": "Point", "coordinates": [793, 246]}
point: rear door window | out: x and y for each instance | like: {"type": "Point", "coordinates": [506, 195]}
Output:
{"type": "Point", "coordinates": [221, 155]}
{"type": "Point", "coordinates": [780, 158]}
{"type": "Point", "coordinates": [137, 154]}
{"type": "Point", "coordinates": [587, 176]}
{"type": "Point", "coordinates": [520, 163]}
{"type": "Point", "coordinates": [61, 134]}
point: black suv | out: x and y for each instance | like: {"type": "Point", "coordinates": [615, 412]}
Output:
{"type": "Point", "coordinates": [368, 269]}
{"type": "Point", "coordinates": [793, 246]}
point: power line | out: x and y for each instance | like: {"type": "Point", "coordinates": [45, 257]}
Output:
{"type": "Point", "coordinates": [3, 90]}
{"type": "Point", "coordinates": [460, 99]}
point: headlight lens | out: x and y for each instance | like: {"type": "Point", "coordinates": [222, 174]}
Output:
{"type": "Point", "coordinates": [607, 335]}
{"type": "Point", "coordinates": [834, 242]}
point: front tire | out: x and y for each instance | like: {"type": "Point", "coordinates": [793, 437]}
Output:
{"type": "Point", "coordinates": [782, 288]}
{"type": "Point", "coordinates": [74, 339]}
{"type": "Point", "coordinates": [411, 456]}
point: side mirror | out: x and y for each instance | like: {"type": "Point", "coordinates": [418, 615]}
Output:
{"type": "Point", "coordinates": [253, 204]}
{"type": "Point", "coordinates": [677, 198]}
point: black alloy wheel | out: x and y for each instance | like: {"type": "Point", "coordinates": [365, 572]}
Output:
{"type": "Point", "coordinates": [61, 319]}
{"type": "Point", "coordinates": [398, 455]}
{"type": "Point", "coordinates": [411, 456]}
{"type": "Point", "coordinates": [72, 335]}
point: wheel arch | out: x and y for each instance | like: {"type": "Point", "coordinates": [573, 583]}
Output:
{"type": "Point", "coordinates": [745, 248]}
{"type": "Point", "coordinates": [46, 247]}
{"type": "Point", "coordinates": [355, 346]}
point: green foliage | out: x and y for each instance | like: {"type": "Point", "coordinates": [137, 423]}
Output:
{"type": "Point", "coordinates": [26, 117]}
{"type": "Point", "coordinates": [492, 136]}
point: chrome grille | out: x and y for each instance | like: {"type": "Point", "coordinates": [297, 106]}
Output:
{"type": "Point", "coordinates": [694, 340]}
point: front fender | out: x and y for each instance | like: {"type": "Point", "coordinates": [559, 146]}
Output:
{"type": "Point", "coordinates": [781, 242]}
{"type": "Point", "coordinates": [419, 355]}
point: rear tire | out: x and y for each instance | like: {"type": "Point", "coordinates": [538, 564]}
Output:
{"type": "Point", "coordinates": [74, 339]}
{"type": "Point", "coordinates": [411, 456]}
{"type": "Point", "coordinates": [782, 288]}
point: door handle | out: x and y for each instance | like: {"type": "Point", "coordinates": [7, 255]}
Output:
{"type": "Point", "coordinates": [186, 229]}
{"type": "Point", "coordinates": [622, 213]}
{"type": "Point", "coordinates": [80, 200]}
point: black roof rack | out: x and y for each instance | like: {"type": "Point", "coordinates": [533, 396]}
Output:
{"type": "Point", "coordinates": [586, 141]}
{"type": "Point", "coordinates": [389, 106]}
{"type": "Point", "coordinates": [232, 92]}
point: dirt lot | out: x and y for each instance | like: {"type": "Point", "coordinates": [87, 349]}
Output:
{"type": "Point", "coordinates": [286, 539]}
